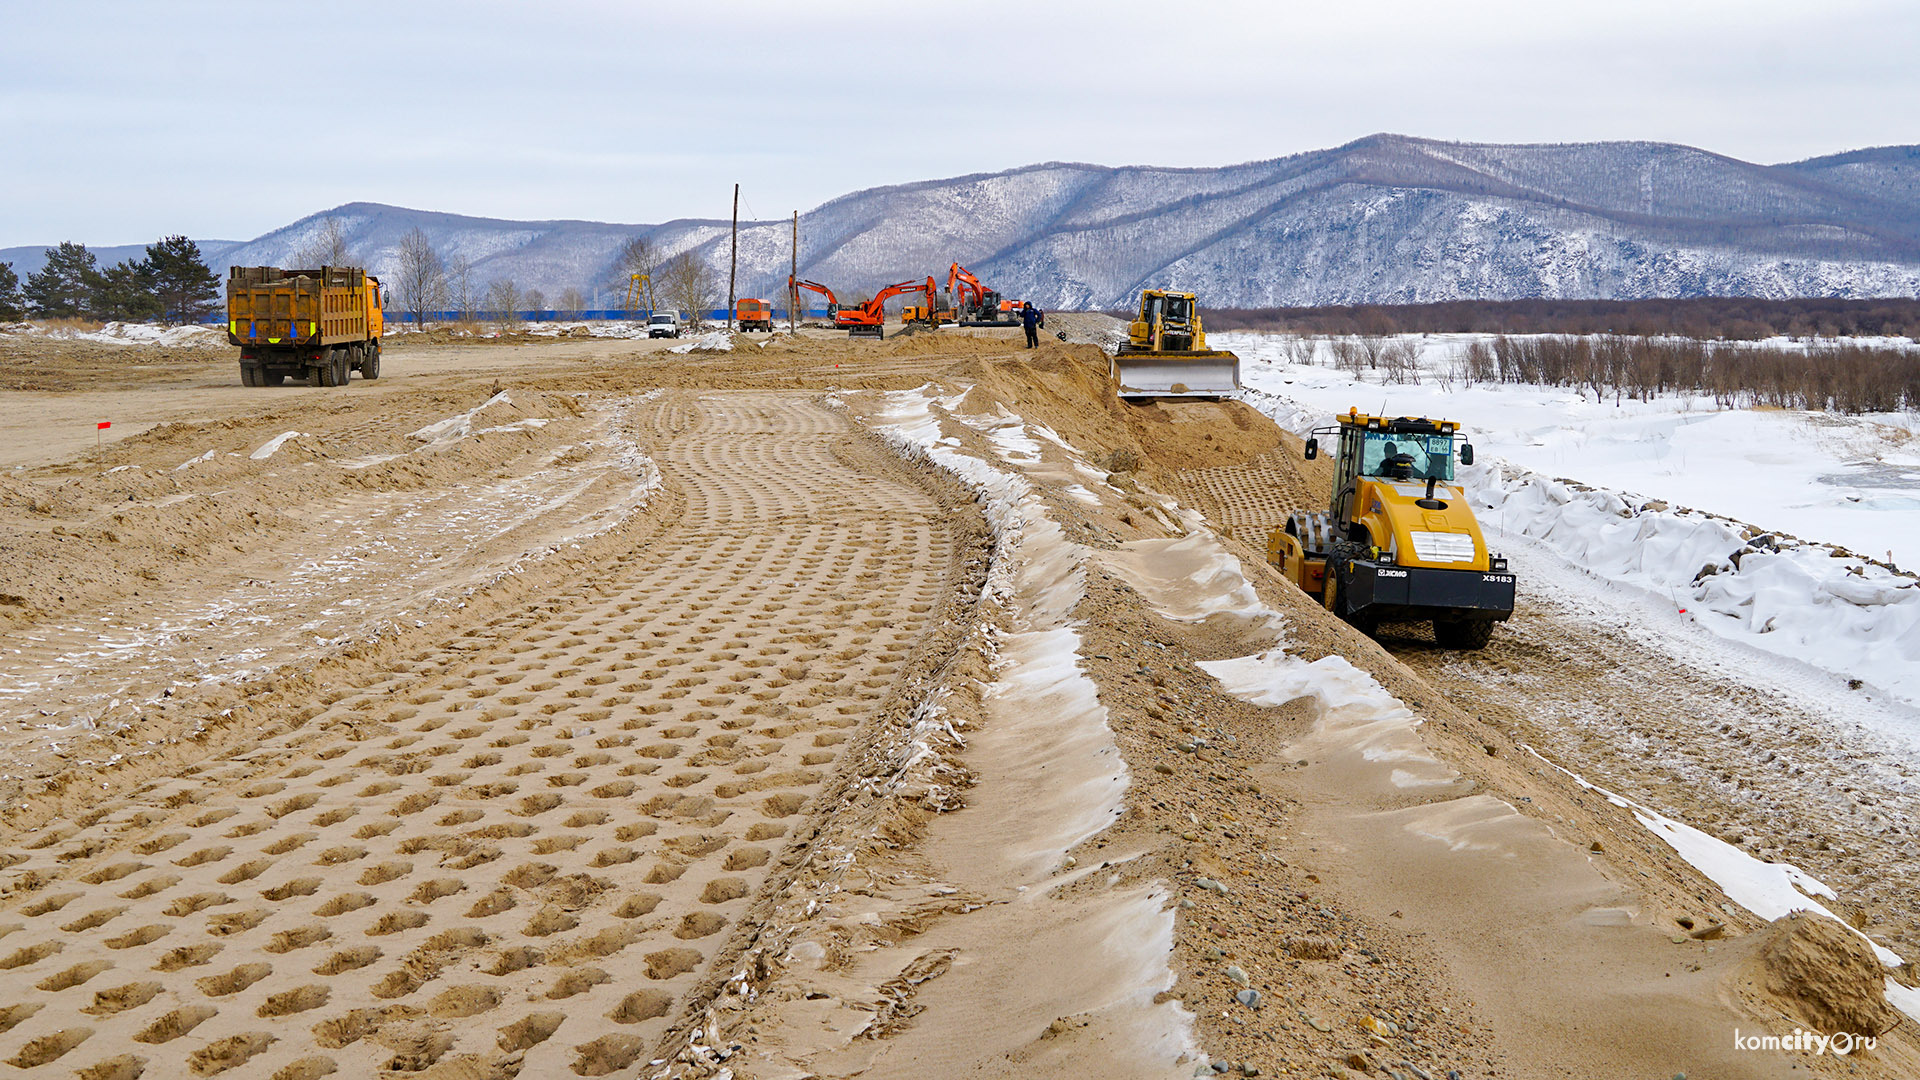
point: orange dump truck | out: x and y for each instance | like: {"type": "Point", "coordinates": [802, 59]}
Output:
{"type": "Point", "coordinates": [318, 325]}
{"type": "Point", "coordinates": [752, 315]}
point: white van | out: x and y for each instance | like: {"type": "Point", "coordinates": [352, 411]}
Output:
{"type": "Point", "coordinates": [663, 324]}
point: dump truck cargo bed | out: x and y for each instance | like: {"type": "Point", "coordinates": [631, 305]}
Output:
{"type": "Point", "coordinates": [320, 325]}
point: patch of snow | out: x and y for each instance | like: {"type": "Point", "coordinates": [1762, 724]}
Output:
{"type": "Point", "coordinates": [714, 341]}
{"type": "Point", "coordinates": [268, 448]}
{"type": "Point", "coordinates": [446, 432]}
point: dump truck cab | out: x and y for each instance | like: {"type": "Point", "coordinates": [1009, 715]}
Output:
{"type": "Point", "coordinates": [1166, 355]}
{"type": "Point", "coordinates": [1398, 541]}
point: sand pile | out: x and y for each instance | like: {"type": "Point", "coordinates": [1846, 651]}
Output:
{"type": "Point", "coordinates": [1823, 975]}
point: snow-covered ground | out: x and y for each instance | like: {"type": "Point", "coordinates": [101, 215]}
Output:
{"type": "Point", "coordinates": [1676, 498]}
{"type": "Point", "coordinates": [122, 333]}
{"type": "Point", "coordinates": [1847, 480]}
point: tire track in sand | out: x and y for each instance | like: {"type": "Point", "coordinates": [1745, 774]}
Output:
{"type": "Point", "coordinates": [525, 850]}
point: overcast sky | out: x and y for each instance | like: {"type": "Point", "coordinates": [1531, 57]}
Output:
{"type": "Point", "coordinates": [122, 122]}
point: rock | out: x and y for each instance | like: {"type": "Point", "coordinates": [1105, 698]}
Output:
{"type": "Point", "coordinates": [1318, 1024]}
{"type": "Point", "coordinates": [1185, 904]}
{"type": "Point", "coordinates": [1210, 885]}
{"type": "Point", "coordinates": [1163, 768]}
{"type": "Point", "coordinates": [1595, 847]}
{"type": "Point", "coordinates": [1312, 947]}
{"type": "Point", "coordinates": [1238, 976]}
{"type": "Point", "coordinates": [1248, 997]}
{"type": "Point", "coordinates": [1358, 1062]}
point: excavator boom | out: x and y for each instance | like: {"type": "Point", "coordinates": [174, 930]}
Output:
{"type": "Point", "coordinates": [868, 320]}
{"type": "Point", "coordinates": [977, 305]}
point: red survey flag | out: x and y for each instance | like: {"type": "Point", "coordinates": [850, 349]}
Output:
{"type": "Point", "coordinates": [103, 425]}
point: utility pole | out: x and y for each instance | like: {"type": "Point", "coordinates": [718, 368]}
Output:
{"type": "Point", "coordinates": [793, 276]}
{"type": "Point", "coordinates": [733, 261]}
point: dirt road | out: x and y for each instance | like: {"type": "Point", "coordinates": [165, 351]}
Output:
{"type": "Point", "coordinates": [584, 708]}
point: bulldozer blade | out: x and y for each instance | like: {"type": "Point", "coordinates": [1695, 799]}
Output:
{"type": "Point", "coordinates": [1144, 375]}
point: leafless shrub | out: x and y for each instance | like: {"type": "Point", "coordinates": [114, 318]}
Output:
{"type": "Point", "coordinates": [1400, 360]}
{"type": "Point", "coordinates": [1348, 355]}
{"type": "Point", "coordinates": [1844, 378]}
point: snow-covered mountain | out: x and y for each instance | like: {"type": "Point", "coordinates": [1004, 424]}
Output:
{"type": "Point", "coordinates": [1386, 219]}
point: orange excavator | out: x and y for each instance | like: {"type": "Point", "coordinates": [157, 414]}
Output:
{"type": "Point", "coordinates": [868, 319]}
{"type": "Point", "coordinates": [794, 286]}
{"type": "Point", "coordinates": [977, 305]}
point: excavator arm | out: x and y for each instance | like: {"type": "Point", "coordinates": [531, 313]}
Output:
{"type": "Point", "coordinates": [873, 307]}
{"type": "Point", "coordinates": [833, 303]}
{"type": "Point", "coordinates": [970, 287]}
{"type": "Point", "coordinates": [976, 305]}
{"type": "Point", "coordinates": [867, 320]}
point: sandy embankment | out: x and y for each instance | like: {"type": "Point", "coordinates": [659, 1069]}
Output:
{"type": "Point", "coordinates": [672, 704]}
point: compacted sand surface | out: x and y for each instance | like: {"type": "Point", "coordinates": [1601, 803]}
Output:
{"type": "Point", "coordinates": [812, 708]}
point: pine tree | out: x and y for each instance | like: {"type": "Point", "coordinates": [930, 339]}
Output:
{"type": "Point", "coordinates": [64, 288]}
{"type": "Point", "coordinates": [126, 292]}
{"type": "Point", "coordinates": [185, 288]}
{"type": "Point", "coordinates": [13, 306]}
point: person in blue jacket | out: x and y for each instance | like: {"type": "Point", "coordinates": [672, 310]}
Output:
{"type": "Point", "coordinates": [1033, 319]}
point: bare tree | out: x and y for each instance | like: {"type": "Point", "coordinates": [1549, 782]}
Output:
{"type": "Point", "coordinates": [639, 255]}
{"type": "Point", "coordinates": [1401, 359]}
{"type": "Point", "coordinates": [536, 300]}
{"type": "Point", "coordinates": [503, 296]}
{"type": "Point", "coordinates": [1300, 348]}
{"type": "Point", "coordinates": [572, 302]}
{"type": "Point", "coordinates": [1348, 356]}
{"type": "Point", "coordinates": [328, 247]}
{"type": "Point", "coordinates": [688, 283]}
{"type": "Point", "coordinates": [462, 292]}
{"type": "Point", "coordinates": [423, 277]}
{"type": "Point", "coordinates": [1372, 345]}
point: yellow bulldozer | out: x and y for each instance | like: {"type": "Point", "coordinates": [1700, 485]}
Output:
{"type": "Point", "coordinates": [1398, 542]}
{"type": "Point", "coordinates": [1166, 353]}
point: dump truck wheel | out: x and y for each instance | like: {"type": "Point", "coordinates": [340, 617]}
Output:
{"type": "Point", "coordinates": [249, 375]}
{"type": "Point", "coordinates": [342, 367]}
{"type": "Point", "coordinates": [323, 372]}
{"type": "Point", "coordinates": [1463, 633]}
{"type": "Point", "coordinates": [370, 367]}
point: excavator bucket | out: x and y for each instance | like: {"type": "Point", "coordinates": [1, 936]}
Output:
{"type": "Point", "coordinates": [1144, 375]}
